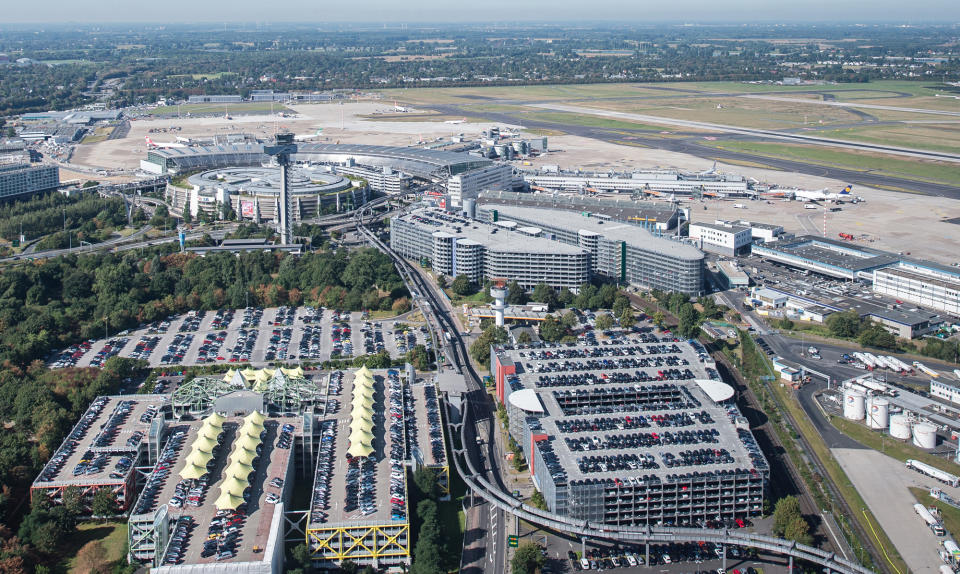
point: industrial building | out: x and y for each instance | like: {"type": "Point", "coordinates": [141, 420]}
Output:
{"type": "Point", "coordinates": [640, 431]}
{"type": "Point", "coordinates": [469, 184]}
{"type": "Point", "coordinates": [928, 284]}
{"type": "Point", "coordinates": [660, 215]}
{"type": "Point", "coordinates": [763, 232]}
{"type": "Point", "coordinates": [453, 245]}
{"type": "Point", "coordinates": [22, 179]}
{"type": "Point", "coordinates": [722, 237]}
{"type": "Point", "coordinates": [253, 193]}
{"type": "Point", "coordinates": [623, 252]}
{"type": "Point", "coordinates": [654, 182]}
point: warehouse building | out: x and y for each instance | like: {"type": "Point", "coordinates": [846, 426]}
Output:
{"type": "Point", "coordinates": [469, 184]}
{"type": "Point", "coordinates": [640, 431]}
{"type": "Point", "coordinates": [19, 180]}
{"type": "Point", "coordinates": [722, 237]}
{"type": "Point", "coordinates": [623, 252]}
{"type": "Point", "coordinates": [454, 245]}
{"type": "Point", "coordinates": [828, 257]}
{"type": "Point", "coordinates": [933, 286]}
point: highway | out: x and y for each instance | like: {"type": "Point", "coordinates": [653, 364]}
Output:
{"type": "Point", "coordinates": [691, 145]}
{"type": "Point", "coordinates": [484, 480]}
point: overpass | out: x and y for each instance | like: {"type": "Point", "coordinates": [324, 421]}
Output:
{"type": "Point", "coordinates": [497, 495]}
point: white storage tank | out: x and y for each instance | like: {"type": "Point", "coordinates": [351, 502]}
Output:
{"type": "Point", "coordinates": [900, 427]}
{"type": "Point", "coordinates": [854, 407]}
{"type": "Point", "coordinates": [878, 413]}
{"type": "Point", "coordinates": [925, 435]}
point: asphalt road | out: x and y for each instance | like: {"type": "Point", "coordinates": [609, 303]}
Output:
{"type": "Point", "coordinates": [690, 145]}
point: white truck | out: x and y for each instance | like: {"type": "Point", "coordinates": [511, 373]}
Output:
{"type": "Point", "coordinates": [927, 517]}
{"type": "Point", "coordinates": [927, 370]}
{"type": "Point", "coordinates": [933, 472]}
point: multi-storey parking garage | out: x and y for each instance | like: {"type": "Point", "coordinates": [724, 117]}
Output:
{"type": "Point", "coordinates": [454, 245]}
{"type": "Point", "coordinates": [638, 431]}
{"type": "Point", "coordinates": [103, 450]}
{"type": "Point", "coordinates": [622, 251]}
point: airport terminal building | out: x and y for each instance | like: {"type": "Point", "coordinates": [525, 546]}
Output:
{"type": "Point", "coordinates": [621, 251]}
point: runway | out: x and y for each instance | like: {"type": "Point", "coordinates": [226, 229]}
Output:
{"type": "Point", "coordinates": [691, 146]}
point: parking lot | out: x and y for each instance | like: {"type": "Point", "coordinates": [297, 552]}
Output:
{"type": "Point", "coordinates": [250, 336]}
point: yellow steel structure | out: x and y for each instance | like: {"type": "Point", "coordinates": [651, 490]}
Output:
{"type": "Point", "coordinates": [443, 477]}
{"type": "Point", "coordinates": [380, 542]}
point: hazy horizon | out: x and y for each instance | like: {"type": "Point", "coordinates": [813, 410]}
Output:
{"type": "Point", "coordinates": [492, 11]}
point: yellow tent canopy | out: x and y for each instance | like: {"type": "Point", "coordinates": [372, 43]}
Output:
{"type": "Point", "coordinates": [193, 471]}
{"type": "Point", "coordinates": [366, 402]}
{"type": "Point", "coordinates": [214, 419]}
{"type": "Point", "coordinates": [199, 458]}
{"type": "Point", "coordinates": [239, 470]}
{"type": "Point", "coordinates": [361, 424]}
{"type": "Point", "coordinates": [234, 486]}
{"type": "Point", "coordinates": [204, 443]}
{"type": "Point", "coordinates": [364, 372]}
{"type": "Point", "coordinates": [227, 501]}
{"type": "Point", "coordinates": [208, 431]}
{"type": "Point", "coordinates": [360, 435]}
{"type": "Point", "coordinates": [255, 416]}
{"type": "Point", "coordinates": [366, 392]}
{"type": "Point", "coordinates": [361, 412]}
{"type": "Point", "coordinates": [244, 456]}
{"type": "Point", "coordinates": [248, 442]}
{"type": "Point", "coordinates": [358, 449]}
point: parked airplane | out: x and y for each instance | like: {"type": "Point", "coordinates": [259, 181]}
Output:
{"type": "Point", "coordinates": [821, 194]}
{"type": "Point", "coordinates": [153, 145]}
{"type": "Point", "coordinates": [460, 121]}
{"type": "Point", "coordinates": [308, 137]}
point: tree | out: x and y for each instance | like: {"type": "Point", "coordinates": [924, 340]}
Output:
{"type": "Point", "coordinates": [104, 502]}
{"type": "Point", "coordinates": [786, 511]}
{"type": "Point", "coordinates": [551, 330]}
{"type": "Point", "coordinates": [524, 337]}
{"type": "Point", "coordinates": [516, 295]}
{"type": "Point", "coordinates": [689, 321]}
{"type": "Point", "coordinates": [604, 321]}
{"type": "Point", "coordinates": [73, 501]}
{"type": "Point", "coordinates": [462, 286]}
{"type": "Point", "coordinates": [658, 319]}
{"type": "Point", "coordinates": [538, 501]}
{"type": "Point", "coordinates": [426, 480]}
{"type": "Point", "coordinates": [620, 303]}
{"type": "Point", "coordinates": [442, 281]}
{"type": "Point", "coordinates": [846, 324]}
{"type": "Point", "coordinates": [528, 559]}
{"type": "Point", "coordinates": [349, 567]}
{"type": "Point", "coordinates": [544, 293]}
{"type": "Point", "coordinates": [92, 558]}
{"type": "Point", "coordinates": [798, 530]}
{"type": "Point", "coordinates": [480, 349]}
{"type": "Point", "coordinates": [627, 319]}
{"type": "Point", "coordinates": [569, 320]}
{"type": "Point", "coordinates": [876, 336]}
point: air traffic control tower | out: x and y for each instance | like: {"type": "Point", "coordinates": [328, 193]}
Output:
{"type": "Point", "coordinates": [282, 149]}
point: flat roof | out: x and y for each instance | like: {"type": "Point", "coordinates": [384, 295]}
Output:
{"type": "Point", "coordinates": [90, 435]}
{"type": "Point", "coordinates": [633, 235]}
{"type": "Point", "coordinates": [693, 403]}
{"type": "Point", "coordinates": [382, 444]}
{"type": "Point", "coordinates": [837, 254]}
{"type": "Point", "coordinates": [720, 227]}
{"type": "Point", "coordinates": [272, 463]}
{"type": "Point", "coordinates": [918, 276]}
{"type": "Point", "coordinates": [493, 237]}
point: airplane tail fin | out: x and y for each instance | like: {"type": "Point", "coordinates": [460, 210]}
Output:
{"type": "Point", "coordinates": [847, 190]}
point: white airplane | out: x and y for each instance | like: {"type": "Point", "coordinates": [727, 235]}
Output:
{"type": "Point", "coordinates": [460, 121]}
{"type": "Point", "coordinates": [821, 194]}
{"type": "Point", "coordinates": [308, 137]}
{"type": "Point", "coordinates": [398, 108]}
{"type": "Point", "coordinates": [153, 145]}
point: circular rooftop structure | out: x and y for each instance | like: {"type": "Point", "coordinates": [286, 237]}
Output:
{"type": "Point", "coordinates": [716, 390]}
{"type": "Point", "coordinates": [526, 400]}
{"type": "Point", "coordinates": [265, 181]}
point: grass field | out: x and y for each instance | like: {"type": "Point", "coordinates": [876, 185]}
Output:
{"type": "Point", "coordinates": [944, 137]}
{"type": "Point", "coordinates": [113, 536]}
{"type": "Point", "coordinates": [900, 167]}
{"type": "Point", "coordinates": [100, 134]}
{"type": "Point", "coordinates": [208, 109]}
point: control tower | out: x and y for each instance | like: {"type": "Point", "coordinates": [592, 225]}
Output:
{"type": "Point", "coordinates": [283, 148]}
{"type": "Point", "coordinates": [499, 291]}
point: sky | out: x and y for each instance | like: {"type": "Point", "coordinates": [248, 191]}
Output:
{"type": "Point", "coordinates": [412, 11]}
